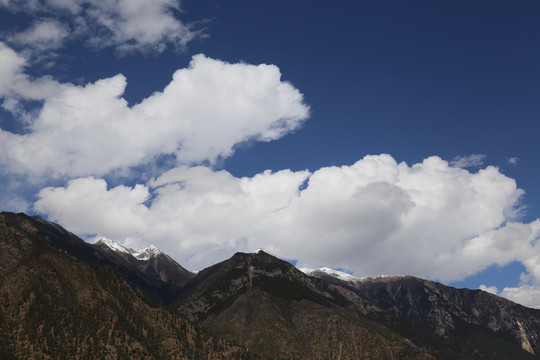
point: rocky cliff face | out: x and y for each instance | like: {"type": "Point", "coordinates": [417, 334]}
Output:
{"type": "Point", "coordinates": [449, 323]}
{"type": "Point", "coordinates": [450, 312]}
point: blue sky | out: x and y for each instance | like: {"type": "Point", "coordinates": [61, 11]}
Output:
{"type": "Point", "coordinates": [384, 137]}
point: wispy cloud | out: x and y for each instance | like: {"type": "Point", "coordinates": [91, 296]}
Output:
{"type": "Point", "coordinates": [41, 35]}
{"type": "Point", "coordinates": [513, 160]}
{"type": "Point", "coordinates": [473, 160]}
{"type": "Point", "coordinates": [126, 25]}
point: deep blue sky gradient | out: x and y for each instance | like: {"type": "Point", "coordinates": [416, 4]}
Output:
{"type": "Point", "coordinates": [412, 79]}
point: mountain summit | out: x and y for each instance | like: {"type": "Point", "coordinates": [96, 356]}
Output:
{"type": "Point", "coordinates": [279, 312]}
{"type": "Point", "coordinates": [142, 254]}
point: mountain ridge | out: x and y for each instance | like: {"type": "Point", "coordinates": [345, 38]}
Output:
{"type": "Point", "coordinates": [418, 308]}
{"type": "Point", "coordinates": [275, 309]}
{"type": "Point", "coordinates": [259, 305]}
{"type": "Point", "coordinates": [140, 254]}
{"type": "Point", "coordinates": [159, 279]}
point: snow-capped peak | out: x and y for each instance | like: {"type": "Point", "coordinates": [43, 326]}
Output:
{"type": "Point", "coordinates": [140, 254]}
{"type": "Point", "coordinates": [113, 245]}
{"type": "Point", "coordinates": [147, 253]}
{"type": "Point", "coordinates": [332, 272]}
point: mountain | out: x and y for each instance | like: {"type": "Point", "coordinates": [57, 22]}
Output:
{"type": "Point", "coordinates": [267, 304]}
{"type": "Point", "coordinates": [447, 322]}
{"type": "Point", "coordinates": [154, 275]}
{"type": "Point", "coordinates": [61, 297]}
{"type": "Point", "coordinates": [54, 305]}
{"type": "Point", "coordinates": [276, 310]}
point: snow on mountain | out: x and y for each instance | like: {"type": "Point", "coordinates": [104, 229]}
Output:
{"type": "Point", "coordinates": [147, 253]}
{"type": "Point", "coordinates": [332, 272]}
{"type": "Point", "coordinates": [343, 275]}
{"type": "Point", "coordinates": [113, 246]}
{"type": "Point", "coordinates": [140, 254]}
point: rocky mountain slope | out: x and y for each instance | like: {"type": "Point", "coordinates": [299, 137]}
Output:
{"type": "Point", "coordinates": [55, 306]}
{"type": "Point", "coordinates": [276, 310]}
{"type": "Point", "coordinates": [447, 322]}
{"type": "Point", "coordinates": [158, 278]}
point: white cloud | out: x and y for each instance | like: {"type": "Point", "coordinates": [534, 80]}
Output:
{"type": "Point", "coordinates": [376, 216]}
{"type": "Point", "coordinates": [513, 160]}
{"type": "Point", "coordinates": [140, 24]}
{"type": "Point", "coordinates": [127, 25]}
{"type": "Point", "coordinates": [42, 36]}
{"type": "Point", "coordinates": [198, 210]}
{"type": "Point", "coordinates": [526, 295]}
{"type": "Point", "coordinates": [12, 64]}
{"type": "Point", "coordinates": [490, 289]}
{"type": "Point", "coordinates": [118, 210]}
{"type": "Point", "coordinates": [15, 84]}
{"type": "Point", "coordinates": [499, 246]}
{"type": "Point", "coordinates": [473, 160]}
{"type": "Point", "coordinates": [201, 115]}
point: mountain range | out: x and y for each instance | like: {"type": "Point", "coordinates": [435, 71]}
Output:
{"type": "Point", "coordinates": [64, 298]}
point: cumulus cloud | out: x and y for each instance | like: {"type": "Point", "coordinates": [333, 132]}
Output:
{"type": "Point", "coordinates": [376, 216]}
{"type": "Point", "coordinates": [499, 246]}
{"type": "Point", "coordinates": [15, 84]}
{"type": "Point", "coordinates": [12, 65]}
{"type": "Point", "coordinates": [489, 289]}
{"type": "Point", "coordinates": [118, 212]}
{"type": "Point", "coordinates": [197, 209]}
{"type": "Point", "coordinates": [526, 295]}
{"type": "Point", "coordinates": [127, 25]}
{"type": "Point", "coordinates": [201, 115]}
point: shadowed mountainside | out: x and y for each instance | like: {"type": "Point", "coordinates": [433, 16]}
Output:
{"type": "Point", "coordinates": [449, 323]}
